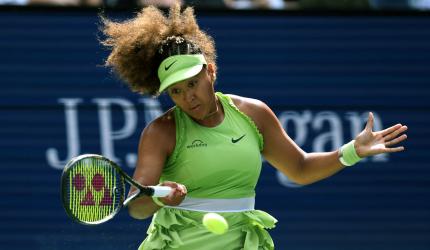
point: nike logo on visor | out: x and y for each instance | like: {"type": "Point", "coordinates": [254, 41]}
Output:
{"type": "Point", "coordinates": [238, 139]}
{"type": "Point", "coordinates": [166, 68]}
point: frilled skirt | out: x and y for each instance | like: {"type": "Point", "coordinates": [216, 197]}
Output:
{"type": "Point", "coordinates": [183, 230]}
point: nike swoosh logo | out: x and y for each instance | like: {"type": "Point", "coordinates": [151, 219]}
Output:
{"type": "Point", "coordinates": [238, 139]}
{"type": "Point", "coordinates": [166, 68]}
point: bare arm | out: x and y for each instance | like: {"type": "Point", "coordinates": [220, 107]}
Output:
{"type": "Point", "coordinates": [305, 168]}
{"type": "Point", "coordinates": [286, 156]}
{"type": "Point", "coordinates": [156, 144]}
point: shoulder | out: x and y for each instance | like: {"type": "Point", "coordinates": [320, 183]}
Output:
{"type": "Point", "coordinates": [257, 110]}
{"type": "Point", "coordinates": [161, 132]}
{"type": "Point", "coordinates": [164, 123]}
{"type": "Point", "coordinates": [246, 104]}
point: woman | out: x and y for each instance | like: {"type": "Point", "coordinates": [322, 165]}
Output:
{"type": "Point", "coordinates": [208, 147]}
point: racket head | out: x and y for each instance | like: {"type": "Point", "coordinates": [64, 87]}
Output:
{"type": "Point", "coordinates": [92, 189]}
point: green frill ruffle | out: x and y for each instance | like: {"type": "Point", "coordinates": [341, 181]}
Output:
{"type": "Point", "coordinates": [170, 225]}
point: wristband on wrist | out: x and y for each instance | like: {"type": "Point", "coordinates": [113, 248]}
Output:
{"type": "Point", "coordinates": [347, 154]}
{"type": "Point", "coordinates": [157, 201]}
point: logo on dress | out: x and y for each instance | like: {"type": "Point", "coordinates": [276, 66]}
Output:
{"type": "Point", "coordinates": [238, 139]}
{"type": "Point", "coordinates": [197, 144]}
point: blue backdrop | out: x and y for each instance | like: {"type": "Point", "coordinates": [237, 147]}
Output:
{"type": "Point", "coordinates": [320, 74]}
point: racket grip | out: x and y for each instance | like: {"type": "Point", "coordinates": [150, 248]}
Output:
{"type": "Point", "coordinates": [161, 191]}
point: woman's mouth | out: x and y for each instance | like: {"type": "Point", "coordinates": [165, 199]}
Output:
{"type": "Point", "coordinates": [195, 107]}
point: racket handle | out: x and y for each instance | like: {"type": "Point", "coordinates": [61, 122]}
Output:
{"type": "Point", "coordinates": [161, 191]}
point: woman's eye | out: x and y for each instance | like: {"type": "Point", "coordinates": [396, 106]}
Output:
{"type": "Point", "coordinates": [192, 84]}
{"type": "Point", "coordinates": [175, 91]}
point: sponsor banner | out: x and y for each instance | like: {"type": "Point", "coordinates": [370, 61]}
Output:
{"type": "Point", "coordinates": [320, 75]}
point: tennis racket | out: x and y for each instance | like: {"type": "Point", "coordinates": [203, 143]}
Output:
{"type": "Point", "coordinates": [93, 189]}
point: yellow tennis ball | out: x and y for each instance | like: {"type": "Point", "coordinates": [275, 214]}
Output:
{"type": "Point", "coordinates": [215, 223]}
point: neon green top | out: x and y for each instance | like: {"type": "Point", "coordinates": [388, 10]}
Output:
{"type": "Point", "coordinates": [216, 162]}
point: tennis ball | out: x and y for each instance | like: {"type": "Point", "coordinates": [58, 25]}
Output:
{"type": "Point", "coordinates": [215, 223]}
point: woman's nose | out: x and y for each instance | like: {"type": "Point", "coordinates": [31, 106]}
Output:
{"type": "Point", "coordinates": [189, 95]}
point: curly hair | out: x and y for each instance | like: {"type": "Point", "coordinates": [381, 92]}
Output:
{"type": "Point", "coordinates": [138, 45]}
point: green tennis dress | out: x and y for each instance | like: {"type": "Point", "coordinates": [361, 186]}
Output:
{"type": "Point", "coordinates": [220, 167]}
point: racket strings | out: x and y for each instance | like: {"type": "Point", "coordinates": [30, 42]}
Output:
{"type": "Point", "coordinates": [94, 190]}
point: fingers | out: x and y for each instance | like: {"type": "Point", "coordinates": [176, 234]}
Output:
{"type": "Point", "coordinates": [400, 129]}
{"type": "Point", "coordinates": [396, 140]}
{"type": "Point", "coordinates": [392, 138]}
{"type": "Point", "coordinates": [177, 189]}
{"type": "Point", "coordinates": [369, 124]}
{"type": "Point", "coordinates": [390, 129]}
{"type": "Point", "coordinates": [381, 149]}
{"type": "Point", "coordinates": [394, 150]}
{"type": "Point", "coordinates": [176, 196]}
{"type": "Point", "coordinates": [182, 189]}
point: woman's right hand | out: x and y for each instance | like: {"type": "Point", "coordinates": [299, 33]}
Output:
{"type": "Point", "coordinates": [176, 196]}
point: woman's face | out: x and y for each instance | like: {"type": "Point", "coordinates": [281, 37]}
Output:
{"type": "Point", "coordinates": [196, 95]}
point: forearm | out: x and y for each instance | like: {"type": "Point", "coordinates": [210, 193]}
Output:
{"type": "Point", "coordinates": [142, 208]}
{"type": "Point", "coordinates": [318, 166]}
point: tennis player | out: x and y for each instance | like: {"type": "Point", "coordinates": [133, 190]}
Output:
{"type": "Point", "coordinates": [209, 142]}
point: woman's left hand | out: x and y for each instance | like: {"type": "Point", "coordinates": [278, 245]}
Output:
{"type": "Point", "coordinates": [369, 143]}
